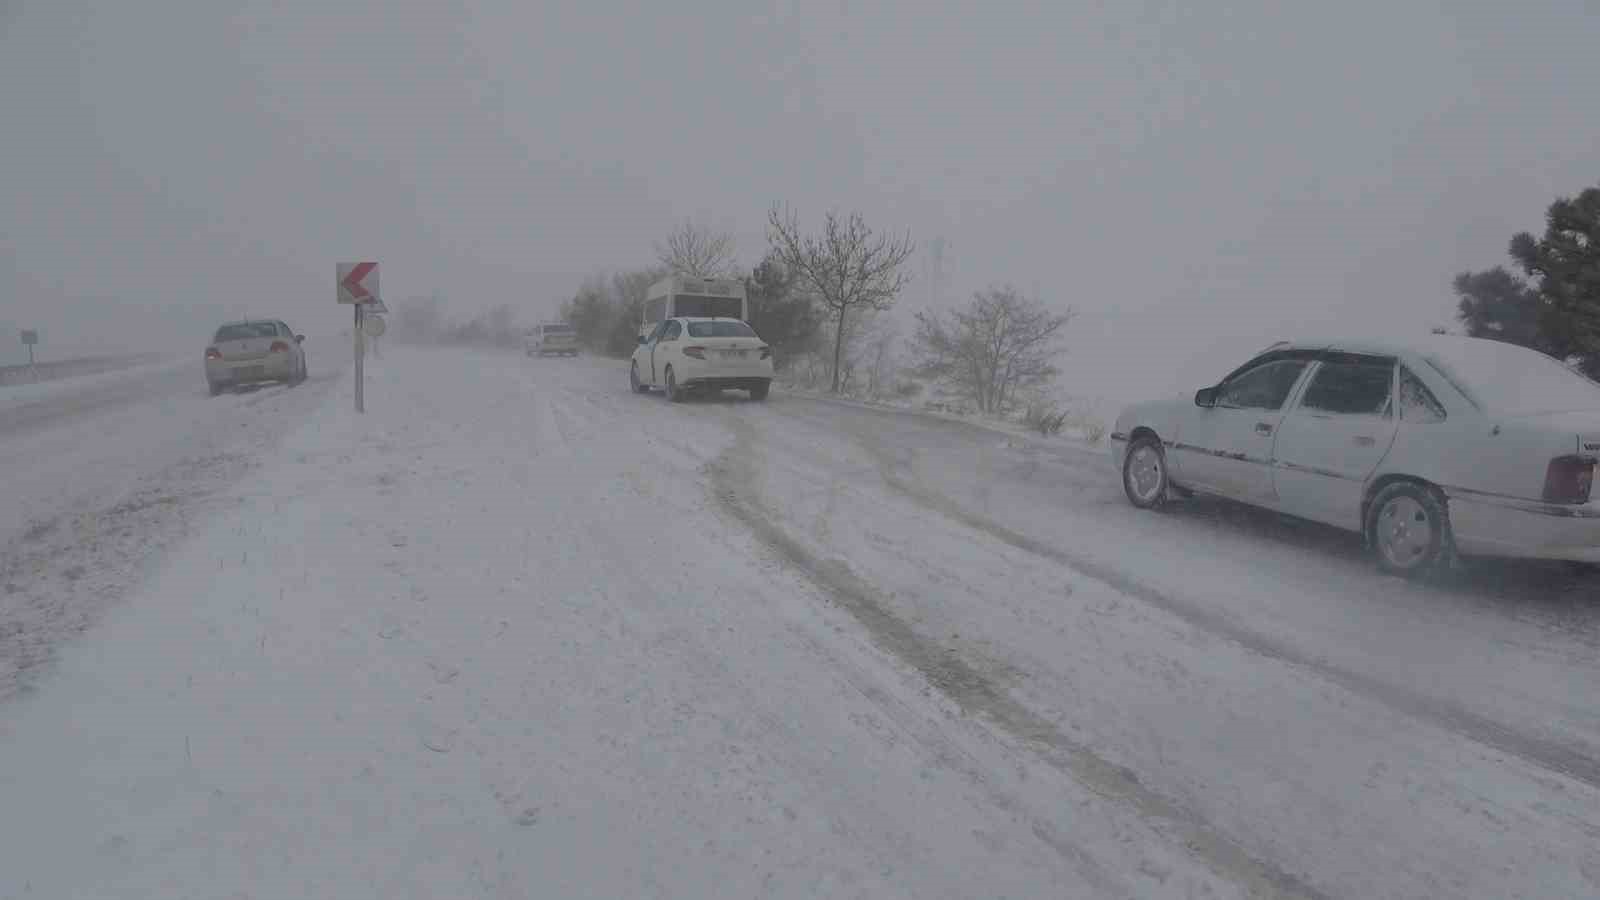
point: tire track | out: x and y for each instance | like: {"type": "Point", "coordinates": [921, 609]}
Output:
{"type": "Point", "coordinates": [734, 479]}
{"type": "Point", "coordinates": [1551, 755]}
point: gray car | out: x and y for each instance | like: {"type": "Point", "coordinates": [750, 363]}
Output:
{"type": "Point", "coordinates": [251, 352]}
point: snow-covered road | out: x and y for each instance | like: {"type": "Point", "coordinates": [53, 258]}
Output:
{"type": "Point", "coordinates": [103, 471]}
{"type": "Point", "coordinates": [518, 632]}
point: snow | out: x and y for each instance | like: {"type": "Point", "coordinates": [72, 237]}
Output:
{"type": "Point", "coordinates": [1085, 426]}
{"type": "Point", "coordinates": [12, 395]}
{"type": "Point", "coordinates": [517, 632]}
{"type": "Point", "coordinates": [496, 638]}
{"type": "Point", "coordinates": [101, 475]}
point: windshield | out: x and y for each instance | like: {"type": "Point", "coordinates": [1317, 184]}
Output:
{"type": "Point", "coordinates": [720, 329]}
{"type": "Point", "coordinates": [1505, 378]}
{"type": "Point", "coordinates": [246, 331]}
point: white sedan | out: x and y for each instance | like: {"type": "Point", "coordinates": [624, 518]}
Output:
{"type": "Point", "coordinates": [1427, 448]}
{"type": "Point", "coordinates": [701, 354]}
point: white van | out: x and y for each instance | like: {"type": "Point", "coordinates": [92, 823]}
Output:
{"type": "Point", "coordinates": [553, 337]}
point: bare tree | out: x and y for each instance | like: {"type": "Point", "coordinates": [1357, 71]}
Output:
{"type": "Point", "coordinates": [1000, 343]}
{"type": "Point", "coordinates": [847, 266]}
{"type": "Point", "coordinates": [696, 250]}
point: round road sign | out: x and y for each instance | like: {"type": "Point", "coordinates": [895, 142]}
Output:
{"type": "Point", "coordinates": [373, 325]}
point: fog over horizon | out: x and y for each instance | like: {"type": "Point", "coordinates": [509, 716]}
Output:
{"type": "Point", "coordinates": [1195, 180]}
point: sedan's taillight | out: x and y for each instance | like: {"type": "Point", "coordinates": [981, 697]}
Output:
{"type": "Point", "coordinates": [766, 352]}
{"type": "Point", "coordinates": [213, 353]}
{"type": "Point", "coordinates": [696, 352]}
{"type": "Point", "coordinates": [1568, 479]}
{"type": "Point", "coordinates": [278, 347]}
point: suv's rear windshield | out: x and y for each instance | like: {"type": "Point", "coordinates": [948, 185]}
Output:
{"type": "Point", "coordinates": [720, 329]}
{"type": "Point", "coordinates": [558, 329]}
{"type": "Point", "coordinates": [246, 332]}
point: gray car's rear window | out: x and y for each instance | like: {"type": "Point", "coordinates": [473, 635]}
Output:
{"type": "Point", "coordinates": [246, 332]}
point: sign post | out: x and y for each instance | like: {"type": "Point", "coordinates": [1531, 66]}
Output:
{"type": "Point", "coordinates": [29, 338]}
{"type": "Point", "coordinates": [358, 286]}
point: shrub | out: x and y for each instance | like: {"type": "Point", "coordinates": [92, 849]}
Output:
{"type": "Point", "coordinates": [1088, 425]}
{"type": "Point", "coordinates": [1044, 418]}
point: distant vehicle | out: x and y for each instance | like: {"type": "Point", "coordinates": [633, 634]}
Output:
{"type": "Point", "coordinates": [1426, 448]}
{"type": "Point", "coordinates": [683, 295]}
{"type": "Point", "coordinates": [254, 351]}
{"type": "Point", "coordinates": [551, 337]}
{"type": "Point", "coordinates": [691, 354]}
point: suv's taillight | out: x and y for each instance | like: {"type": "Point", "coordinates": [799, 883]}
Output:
{"type": "Point", "coordinates": [696, 352]}
{"type": "Point", "coordinates": [1568, 479]}
{"type": "Point", "coordinates": [213, 353]}
{"type": "Point", "coordinates": [278, 347]}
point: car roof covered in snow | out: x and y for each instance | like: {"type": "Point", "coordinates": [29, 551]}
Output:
{"type": "Point", "coordinates": [1420, 345]}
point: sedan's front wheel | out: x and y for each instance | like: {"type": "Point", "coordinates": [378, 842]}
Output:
{"type": "Point", "coordinates": [673, 394]}
{"type": "Point", "coordinates": [1408, 529]}
{"type": "Point", "coordinates": [1144, 473]}
{"type": "Point", "coordinates": [633, 379]}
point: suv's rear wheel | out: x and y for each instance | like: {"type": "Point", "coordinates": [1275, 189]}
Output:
{"type": "Point", "coordinates": [759, 392]}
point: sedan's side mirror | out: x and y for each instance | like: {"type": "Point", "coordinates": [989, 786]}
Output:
{"type": "Point", "coordinates": [299, 339]}
{"type": "Point", "coordinates": [1206, 397]}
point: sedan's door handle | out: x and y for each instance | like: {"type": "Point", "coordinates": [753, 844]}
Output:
{"type": "Point", "coordinates": [1263, 428]}
{"type": "Point", "coordinates": [1363, 440]}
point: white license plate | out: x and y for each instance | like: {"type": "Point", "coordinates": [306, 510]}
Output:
{"type": "Point", "coordinates": [250, 372]}
{"type": "Point", "coordinates": [733, 354]}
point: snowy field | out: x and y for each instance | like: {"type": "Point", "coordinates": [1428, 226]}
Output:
{"type": "Point", "coordinates": [22, 375]}
{"type": "Point", "coordinates": [19, 393]}
{"type": "Point", "coordinates": [518, 632]}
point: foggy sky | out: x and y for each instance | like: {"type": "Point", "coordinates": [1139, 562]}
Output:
{"type": "Point", "coordinates": [1196, 179]}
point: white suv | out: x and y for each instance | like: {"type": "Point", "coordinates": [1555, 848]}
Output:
{"type": "Point", "coordinates": [702, 354]}
{"type": "Point", "coordinates": [558, 338]}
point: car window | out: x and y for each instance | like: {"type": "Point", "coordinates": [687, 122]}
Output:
{"type": "Point", "coordinates": [1417, 403]}
{"type": "Point", "coordinates": [245, 331]}
{"type": "Point", "coordinates": [1351, 389]}
{"type": "Point", "coordinates": [656, 332]}
{"type": "Point", "coordinates": [720, 329]}
{"type": "Point", "coordinates": [674, 330]}
{"type": "Point", "coordinates": [1263, 387]}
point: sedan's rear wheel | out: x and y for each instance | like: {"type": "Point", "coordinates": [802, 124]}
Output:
{"type": "Point", "coordinates": [759, 391]}
{"type": "Point", "coordinates": [1408, 529]}
{"type": "Point", "coordinates": [1144, 473]}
